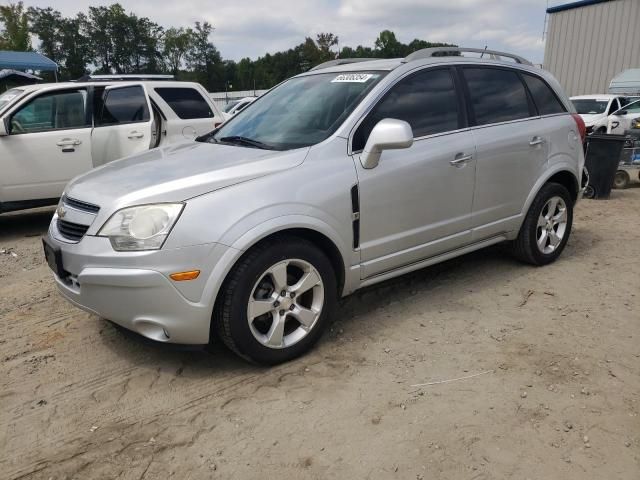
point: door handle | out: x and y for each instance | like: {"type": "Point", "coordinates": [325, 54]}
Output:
{"type": "Point", "coordinates": [460, 159]}
{"type": "Point", "coordinates": [535, 141]}
{"type": "Point", "coordinates": [135, 134]}
{"type": "Point", "coordinates": [67, 142]}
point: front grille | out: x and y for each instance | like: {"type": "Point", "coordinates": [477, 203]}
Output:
{"type": "Point", "coordinates": [79, 205]}
{"type": "Point", "coordinates": [72, 231]}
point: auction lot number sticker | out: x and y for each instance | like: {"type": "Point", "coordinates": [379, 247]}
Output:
{"type": "Point", "coordinates": [353, 78]}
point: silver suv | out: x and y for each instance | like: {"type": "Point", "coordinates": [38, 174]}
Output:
{"type": "Point", "coordinates": [339, 178]}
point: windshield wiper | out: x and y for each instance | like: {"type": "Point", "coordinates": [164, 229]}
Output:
{"type": "Point", "coordinates": [249, 142]}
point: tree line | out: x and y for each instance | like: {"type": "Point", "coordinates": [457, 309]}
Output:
{"type": "Point", "coordinates": [107, 39]}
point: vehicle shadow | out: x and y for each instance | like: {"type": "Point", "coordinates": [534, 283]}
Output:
{"type": "Point", "coordinates": [27, 223]}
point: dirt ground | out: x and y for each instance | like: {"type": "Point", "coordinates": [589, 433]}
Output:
{"type": "Point", "coordinates": [552, 355]}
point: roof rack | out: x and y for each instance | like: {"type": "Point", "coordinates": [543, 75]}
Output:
{"type": "Point", "coordinates": [124, 77]}
{"type": "Point", "coordinates": [341, 61]}
{"type": "Point", "coordinates": [455, 51]}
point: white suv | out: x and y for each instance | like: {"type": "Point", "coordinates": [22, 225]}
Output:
{"type": "Point", "coordinates": [50, 133]}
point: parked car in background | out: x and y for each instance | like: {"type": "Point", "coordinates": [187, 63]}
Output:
{"type": "Point", "coordinates": [339, 178]}
{"type": "Point", "coordinates": [50, 133]}
{"type": "Point", "coordinates": [240, 105]}
{"type": "Point", "coordinates": [622, 120]}
{"type": "Point", "coordinates": [594, 108]}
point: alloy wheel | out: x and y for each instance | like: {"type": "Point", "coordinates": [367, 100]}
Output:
{"type": "Point", "coordinates": [552, 225]}
{"type": "Point", "coordinates": [285, 303]}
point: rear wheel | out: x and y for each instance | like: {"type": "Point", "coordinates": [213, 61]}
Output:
{"type": "Point", "coordinates": [621, 180]}
{"type": "Point", "coordinates": [547, 226]}
{"type": "Point", "coordinates": [276, 301]}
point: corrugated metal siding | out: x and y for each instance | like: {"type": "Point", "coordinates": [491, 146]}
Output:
{"type": "Point", "coordinates": [587, 46]}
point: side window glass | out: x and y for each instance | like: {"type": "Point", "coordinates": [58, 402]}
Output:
{"type": "Point", "coordinates": [543, 96]}
{"type": "Point", "coordinates": [187, 103]}
{"type": "Point", "coordinates": [123, 105]}
{"type": "Point", "coordinates": [614, 106]}
{"type": "Point", "coordinates": [427, 100]}
{"type": "Point", "coordinates": [497, 95]}
{"type": "Point", "coordinates": [51, 111]}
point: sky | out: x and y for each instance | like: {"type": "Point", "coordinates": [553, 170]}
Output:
{"type": "Point", "coordinates": [251, 28]}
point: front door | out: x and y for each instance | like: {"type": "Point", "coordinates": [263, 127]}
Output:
{"type": "Point", "coordinates": [49, 143]}
{"type": "Point", "coordinates": [123, 123]}
{"type": "Point", "coordinates": [417, 202]}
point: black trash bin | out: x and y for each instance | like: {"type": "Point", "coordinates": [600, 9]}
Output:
{"type": "Point", "coordinates": [602, 156]}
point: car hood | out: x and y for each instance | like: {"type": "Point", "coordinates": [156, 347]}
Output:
{"type": "Point", "coordinates": [178, 172]}
{"type": "Point", "coordinates": [591, 119]}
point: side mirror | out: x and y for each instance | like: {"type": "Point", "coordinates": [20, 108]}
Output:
{"type": "Point", "coordinates": [4, 131]}
{"type": "Point", "coordinates": [621, 112]}
{"type": "Point", "coordinates": [388, 134]}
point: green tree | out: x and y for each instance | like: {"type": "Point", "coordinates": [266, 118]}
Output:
{"type": "Point", "coordinates": [388, 46]}
{"type": "Point", "coordinates": [75, 45]}
{"type": "Point", "coordinates": [204, 58]}
{"type": "Point", "coordinates": [14, 28]}
{"type": "Point", "coordinates": [325, 41]}
{"type": "Point", "coordinates": [176, 45]}
{"type": "Point", "coordinates": [45, 23]}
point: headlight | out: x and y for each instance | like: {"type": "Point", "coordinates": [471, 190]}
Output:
{"type": "Point", "coordinates": [145, 227]}
{"type": "Point", "coordinates": [635, 123]}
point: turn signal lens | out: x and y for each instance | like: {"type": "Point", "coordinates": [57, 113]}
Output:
{"type": "Point", "coordinates": [182, 276]}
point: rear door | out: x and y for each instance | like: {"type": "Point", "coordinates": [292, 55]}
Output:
{"type": "Point", "coordinates": [510, 146]}
{"type": "Point", "coordinates": [188, 112]}
{"type": "Point", "coordinates": [49, 143]}
{"type": "Point", "coordinates": [123, 123]}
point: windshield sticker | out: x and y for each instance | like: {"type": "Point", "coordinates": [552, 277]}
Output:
{"type": "Point", "coordinates": [353, 78]}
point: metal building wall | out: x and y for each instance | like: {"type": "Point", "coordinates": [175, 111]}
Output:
{"type": "Point", "coordinates": [589, 45]}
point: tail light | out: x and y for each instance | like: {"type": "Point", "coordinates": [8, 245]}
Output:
{"type": "Point", "coordinates": [582, 129]}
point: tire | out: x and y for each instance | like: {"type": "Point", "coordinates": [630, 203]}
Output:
{"type": "Point", "coordinates": [539, 222]}
{"type": "Point", "coordinates": [589, 192]}
{"type": "Point", "coordinates": [253, 285]}
{"type": "Point", "coordinates": [621, 180]}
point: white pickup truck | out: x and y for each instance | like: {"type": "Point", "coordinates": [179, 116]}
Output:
{"type": "Point", "coordinates": [50, 133]}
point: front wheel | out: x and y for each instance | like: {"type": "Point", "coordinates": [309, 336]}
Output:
{"type": "Point", "coordinates": [547, 226]}
{"type": "Point", "coordinates": [276, 301]}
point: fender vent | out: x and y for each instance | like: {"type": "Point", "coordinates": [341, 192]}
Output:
{"type": "Point", "coordinates": [355, 215]}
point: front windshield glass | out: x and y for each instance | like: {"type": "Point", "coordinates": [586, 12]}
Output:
{"type": "Point", "coordinates": [590, 106]}
{"type": "Point", "coordinates": [301, 112]}
{"type": "Point", "coordinates": [9, 96]}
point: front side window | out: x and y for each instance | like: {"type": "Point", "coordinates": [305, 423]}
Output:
{"type": "Point", "coordinates": [427, 100]}
{"type": "Point", "coordinates": [497, 95]}
{"type": "Point", "coordinates": [544, 98]}
{"type": "Point", "coordinates": [301, 112]}
{"type": "Point", "coordinates": [187, 103]}
{"type": "Point", "coordinates": [632, 107]}
{"type": "Point", "coordinates": [51, 111]}
{"type": "Point", "coordinates": [123, 105]}
{"type": "Point", "coordinates": [614, 106]}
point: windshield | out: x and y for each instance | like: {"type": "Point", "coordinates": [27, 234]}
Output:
{"type": "Point", "coordinates": [9, 96]}
{"type": "Point", "coordinates": [590, 106]}
{"type": "Point", "coordinates": [300, 112]}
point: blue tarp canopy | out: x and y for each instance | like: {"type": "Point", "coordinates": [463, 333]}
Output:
{"type": "Point", "coordinates": [26, 61]}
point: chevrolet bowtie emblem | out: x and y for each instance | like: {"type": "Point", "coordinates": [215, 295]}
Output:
{"type": "Point", "coordinates": [61, 212]}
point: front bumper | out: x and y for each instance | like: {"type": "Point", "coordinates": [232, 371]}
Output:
{"type": "Point", "coordinates": [133, 289]}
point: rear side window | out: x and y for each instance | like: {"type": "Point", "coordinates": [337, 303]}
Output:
{"type": "Point", "coordinates": [543, 96]}
{"type": "Point", "coordinates": [186, 102]}
{"type": "Point", "coordinates": [123, 105]}
{"type": "Point", "coordinates": [497, 95]}
{"type": "Point", "coordinates": [426, 100]}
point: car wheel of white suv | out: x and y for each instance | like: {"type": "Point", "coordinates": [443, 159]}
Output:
{"type": "Point", "coordinates": [547, 226]}
{"type": "Point", "coordinates": [276, 301]}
